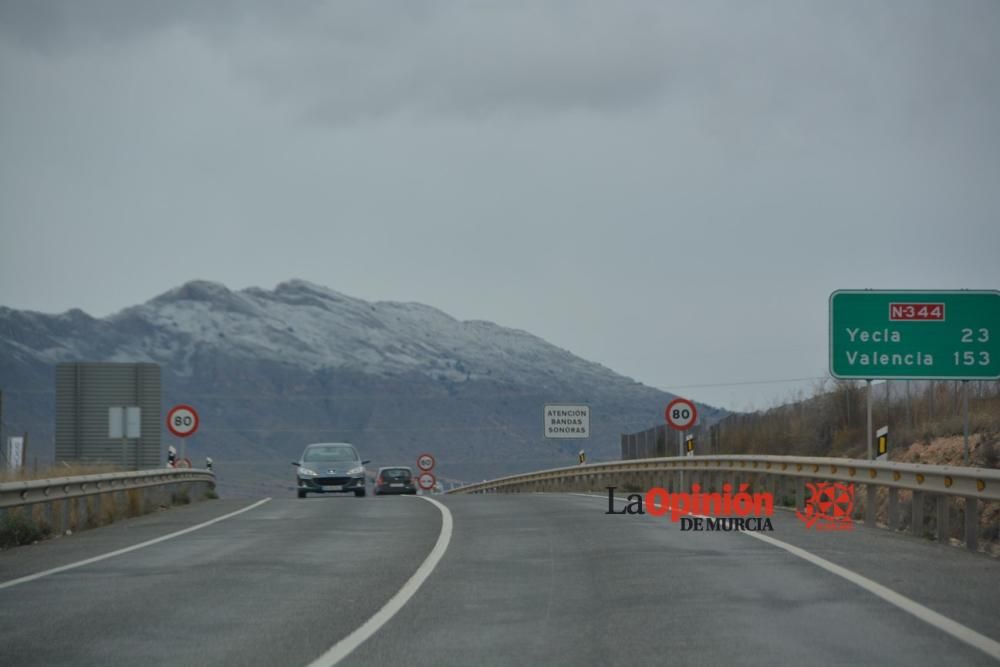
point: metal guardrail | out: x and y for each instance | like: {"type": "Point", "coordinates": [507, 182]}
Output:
{"type": "Point", "coordinates": [14, 494]}
{"type": "Point", "coordinates": [88, 501]}
{"type": "Point", "coordinates": [773, 473]}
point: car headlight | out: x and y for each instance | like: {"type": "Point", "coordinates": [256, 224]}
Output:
{"type": "Point", "coordinates": [356, 471]}
{"type": "Point", "coordinates": [306, 472]}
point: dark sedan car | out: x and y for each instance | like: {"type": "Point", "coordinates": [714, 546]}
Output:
{"type": "Point", "coordinates": [330, 467]}
{"type": "Point", "coordinates": [394, 479]}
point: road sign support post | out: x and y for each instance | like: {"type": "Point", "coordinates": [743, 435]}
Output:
{"type": "Point", "coordinates": [965, 418]}
{"type": "Point", "coordinates": [909, 411]}
{"type": "Point", "coordinates": [931, 402]}
{"type": "Point", "coordinates": [888, 403]}
{"type": "Point", "coordinates": [869, 427]}
{"type": "Point", "coordinates": [680, 452]}
{"type": "Point", "coordinates": [681, 415]}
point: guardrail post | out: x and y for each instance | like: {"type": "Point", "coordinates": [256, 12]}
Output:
{"type": "Point", "coordinates": [871, 504]}
{"type": "Point", "coordinates": [892, 518]}
{"type": "Point", "coordinates": [800, 493]}
{"type": "Point", "coordinates": [917, 514]}
{"type": "Point", "coordinates": [48, 515]}
{"type": "Point", "coordinates": [63, 516]}
{"type": "Point", "coordinates": [81, 512]}
{"type": "Point", "coordinates": [971, 523]}
{"type": "Point", "coordinates": [943, 532]}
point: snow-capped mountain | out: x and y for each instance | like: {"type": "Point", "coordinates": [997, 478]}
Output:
{"type": "Point", "coordinates": [308, 326]}
{"type": "Point", "coordinates": [273, 369]}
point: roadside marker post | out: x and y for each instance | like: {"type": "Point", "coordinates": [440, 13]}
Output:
{"type": "Point", "coordinates": [882, 449]}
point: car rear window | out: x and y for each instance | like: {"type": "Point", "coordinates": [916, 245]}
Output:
{"type": "Point", "coordinates": [396, 474]}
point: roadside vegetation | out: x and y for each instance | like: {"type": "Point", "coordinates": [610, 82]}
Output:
{"type": "Point", "coordinates": [28, 524]}
{"type": "Point", "coordinates": [833, 421]}
{"type": "Point", "coordinates": [925, 426]}
{"type": "Point", "coordinates": [16, 528]}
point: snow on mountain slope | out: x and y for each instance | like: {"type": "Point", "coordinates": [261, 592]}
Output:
{"type": "Point", "coordinates": [271, 370]}
{"type": "Point", "coordinates": [314, 327]}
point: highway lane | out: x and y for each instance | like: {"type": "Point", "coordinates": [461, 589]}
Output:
{"type": "Point", "coordinates": [276, 585]}
{"type": "Point", "coordinates": [539, 579]}
{"type": "Point", "coordinates": [527, 579]}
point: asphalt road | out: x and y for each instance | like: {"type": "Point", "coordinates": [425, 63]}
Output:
{"type": "Point", "coordinates": [525, 580]}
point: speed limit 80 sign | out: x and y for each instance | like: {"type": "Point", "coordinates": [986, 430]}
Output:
{"type": "Point", "coordinates": [681, 414]}
{"type": "Point", "coordinates": [182, 421]}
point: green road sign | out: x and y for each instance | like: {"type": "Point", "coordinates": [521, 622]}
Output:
{"type": "Point", "coordinates": [936, 335]}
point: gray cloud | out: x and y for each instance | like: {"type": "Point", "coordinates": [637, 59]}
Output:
{"type": "Point", "coordinates": [348, 61]}
{"type": "Point", "coordinates": [671, 189]}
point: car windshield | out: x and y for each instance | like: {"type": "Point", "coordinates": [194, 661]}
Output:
{"type": "Point", "coordinates": [329, 454]}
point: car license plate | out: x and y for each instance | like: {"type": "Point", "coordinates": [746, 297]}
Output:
{"type": "Point", "coordinates": [337, 487]}
{"type": "Point", "coordinates": [396, 486]}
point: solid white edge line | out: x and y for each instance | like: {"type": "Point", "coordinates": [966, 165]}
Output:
{"type": "Point", "coordinates": [345, 646]}
{"type": "Point", "coordinates": [960, 632]}
{"type": "Point", "coordinates": [119, 552]}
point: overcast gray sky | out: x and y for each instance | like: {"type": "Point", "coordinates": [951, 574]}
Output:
{"type": "Point", "coordinates": [670, 189]}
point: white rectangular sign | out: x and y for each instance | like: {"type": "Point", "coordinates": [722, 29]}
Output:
{"type": "Point", "coordinates": [567, 421]}
{"type": "Point", "coordinates": [15, 452]}
{"type": "Point", "coordinates": [124, 422]}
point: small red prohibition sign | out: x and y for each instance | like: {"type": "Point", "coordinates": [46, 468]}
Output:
{"type": "Point", "coordinates": [426, 462]}
{"type": "Point", "coordinates": [681, 414]}
{"type": "Point", "coordinates": [182, 420]}
{"type": "Point", "coordinates": [427, 481]}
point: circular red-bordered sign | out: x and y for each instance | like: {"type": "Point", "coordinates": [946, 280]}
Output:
{"type": "Point", "coordinates": [681, 414]}
{"type": "Point", "coordinates": [182, 421]}
{"type": "Point", "coordinates": [426, 481]}
{"type": "Point", "coordinates": [425, 462]}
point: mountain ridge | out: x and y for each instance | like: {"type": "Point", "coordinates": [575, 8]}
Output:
{"type": "Point", "coordinates": [270, 369]}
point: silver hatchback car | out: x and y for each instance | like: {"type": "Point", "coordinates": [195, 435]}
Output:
{"type": "Point", "coordinates": [330, 467]}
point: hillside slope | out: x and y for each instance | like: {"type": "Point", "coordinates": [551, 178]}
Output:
{"type": "Point", "coordinates": [271, 370]}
